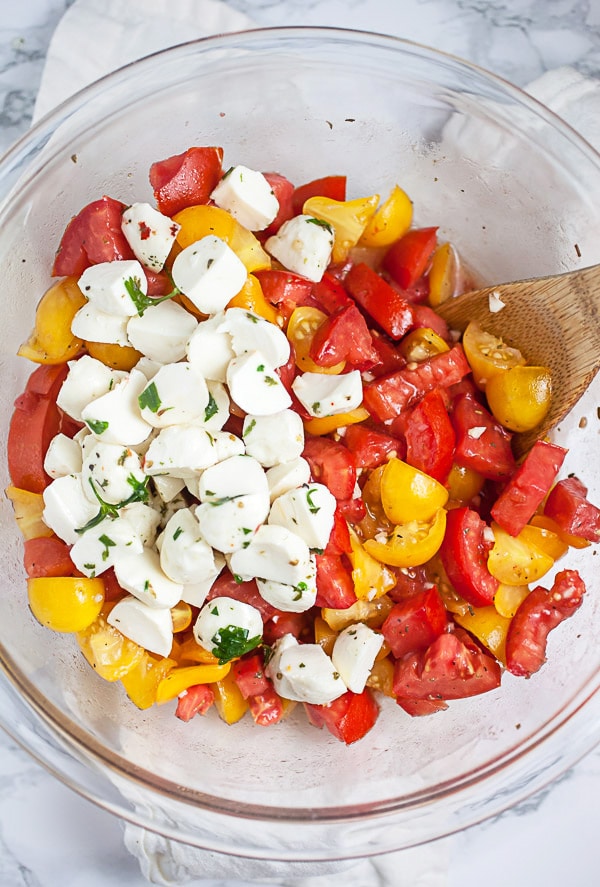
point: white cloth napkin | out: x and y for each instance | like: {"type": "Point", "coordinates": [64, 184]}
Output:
{"type": "Point", "coordinates": [93, 38]}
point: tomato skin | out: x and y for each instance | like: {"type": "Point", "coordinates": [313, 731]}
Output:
{"type": "Point", "coordinates": [490, 452]}
{"type": "Point", "coordinates": [430, 437]}
{"type": "Point", "coordinates": [332, 464]}
{"type": "Point", "coordinates": [226, 586]}
{"type": "Point", "coordinates": [339, 538]}
{"type": "Point", "coordinates": [568, 506]}
{"type": "Point", "coordinates": [185, 179]}
{"type": "Point", "coordinates": [417, 708]}
{"type": "Point", "coordinates": [335, 588]}
{"type": "Point", "coordinates": [348, 718]}
{"type": "Point", "coordinates": [415, 623]}
{"type": "Point", "coordinates": [195, 700]}
{"type": "Point", "coordinates": [387, 307]}
{"type": "Point", "coordinates": [425, 317]}
{"type": "Point", "coordinates": [94, 235]}
{"type": "Point", "coordinates": [518, 501]}
{"type": "Point", "coordinates": [285, 290]}
{"type": "Point", "coordinates": [249, 675]}
{"type": "Point", "coordinates": [283, 190]}
{"type": "Point", "coordinates": [464, 554]}
{"type": "Point", "coordinates": [333, 187]}
{"type": "Point", "coordinates": [112, 590]}
{"type": "Point", "coordinates": [541, 611]}
{"type": "Point", "coordinates": [390, 357]}
{"type": "Point", "coordinates": [47, 556]}
{"type": "Point", "coordinates": [298, 624]}
{"type": "Point", "coordinates": [344, 336]}
{"type": "Point", "coordinates": [371, 448]}
{"type": "Point", "coordinates": [330, 293]}
{"type": "Point", "coordinates": [407, 259]}
{"type": "Point", "coordinates": [266, 708]}
{"type": "Point", "coordinates": [388, 395]}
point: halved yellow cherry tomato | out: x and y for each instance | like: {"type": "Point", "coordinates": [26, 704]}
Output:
{"type": "Point", "coordinates": [421, 344]}
{"type": "Point", "coordinates": [118, 357]}
{"type": "Point", "coordinates": [201, 220]}
{"type": "Point", "coordinates": [464, 484]}
{"type": "Point", "coordinates": [410, 544]}
{"type": "Point", "coordinates": [324, 635]}
{"type": "Point", "coordinates": [443, 274]}
{"type": "Point", "coordinates": [181, 616]}
{"type": "Point", "coordinates": [51, 340]}
{"type": "Point", "coordinates": [348, 218]}
{"type": "Point", "coordinates": [508, 598]}
{"type": "Point", "coordinates": [189, 650]}
{"type": "Point", "coordinates": [371, 578]}
{"type": "Point", "coordinates": [229, 701]}
{"type": "Point", "coordinates": [28, 508]}
{"type": "Point", "coordinates": [141, 682]}
{"type": "Point", "coordinates": [327, 424]}
{"type": "Point", "coordinates": [488, 355]}
{"type": "Point", "coordinates": [372, 613]}
{"type": "Point", "coordinates": [544, 538]}
{"type": "Point", "coordinates": [408, 494]}
{"type": "Point", "coordinates": [520, 397]}
{"type": "Point", "coordinates": [252, 298]}
{"type": "Point", "coordinates": [381, 677]}
{"type": "Point", "coordinates": [181, 678]}
{"type": "Point", "coordinates": [515, 561]}
{"type": "Point", "coordinates": [302, 326]}
{"type": "Point", "coordinates": [109, 652]}
{"type": "Point", "coordinates": [488, 626]}
{"type": "Point", "coordinates": [542, 520]}
{"type": "Point", "coordinates": [67, 603]}
{"type": "Point", "coordinates": [391, 220]}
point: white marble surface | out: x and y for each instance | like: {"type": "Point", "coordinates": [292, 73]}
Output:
{"type": "Point", "coordinates": [49, 836]}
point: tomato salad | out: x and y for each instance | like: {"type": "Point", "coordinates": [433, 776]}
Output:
{"type": "Point", "coordinates": [254, 468]}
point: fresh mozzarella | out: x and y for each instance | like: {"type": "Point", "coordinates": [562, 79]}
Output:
{"type": "Point", "coordinates": [162, 332]}
{"type": "Point", "coordinates": [308, 511]}
{"type": "Point", "coordinates": [115, 416]}
{"type": "Point", "coordinates": [209, 273]}
{"type": "Point", "coordinates": [141, 574]}
{"type": "Point", "coordinates": [354, 653]}
{"type": "Point", "coordinates": [100, 546]}
{"type": "Point", "coordinates": [248, 196]}
{"type": "Point", "coordinates": [216, 411]}
{"type": "Point", "coordinates": [86, 380]}
{"type": "Point", "coordinates": [167, 487]}
{"type": "Point", "coordinates": [112, 472]}
{"type": "Point", "coordinates": [176, 395]}
{"type": "Point", "coordinates": [145, 519]}
{"type": "Point", "coordinates": [287, 476]}
{"type": "Point", "coordinates": [231, 478]}
{"type": "Point", "coordinates": [196, 593]}
{"type": "Point", "coordinates": [148, 367]}
{"type": "Point", "coordinates": [251, 332]}
{"type": "Point", "coordinates": [255, 386]}
{"type": "Point", "coordinates": [326, 395]}
{"type": "Point", "coordinates": [290, 598]}
{"type": "Point", "coordinates": [63, 456]}
{"type": "Point", "coordinates": [93, 325]}
{"type": "Point", "coordinates": [274, 553]}
{"type": "Point", "coordinates": [149, 627]}
{"type": "Point", "coordinates": [303, 245]}
{"type": "Point", "coordinates": [304, 673]}
{"type": "Point", "coordinates": [181, 451]}
{"type": "Point", "coordinates": [229, 524]}
{"type": "Point", "coordinates": [150, 234]}
{"type": "Point", "coordinates": [209, 349]}
{"type": "Point", "coordinates": [67, 508]}
{"type": "Point", "coordinates": [184, 555]}
{"type": "Point", "coordinates": [106, 284]}
{"type": "Point", "coordinates": [226, 626]}
{"type": "Point", "coordinates": [274, 439]}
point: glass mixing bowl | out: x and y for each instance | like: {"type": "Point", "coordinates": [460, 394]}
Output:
{"type": "Point", "coordinates": [518, 192]}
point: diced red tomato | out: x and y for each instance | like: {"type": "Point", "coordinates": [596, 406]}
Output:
{"type": "Point", "coordinates": [388, 395]}
{"type": "Point", "coordinates": [285, 290]}
{"type": "Point", "coordinates": [159, 282]}
{"type": "Point", "coordinates": [464, 554]}
{"type": "Point", "coordinates": [407, 259]}
{"type": "Point", "coordinates": [409, 581]}
{"type": "Point", "coordinates": [339, 538]}
{"type": "Point", "coordinates": [47, 556]}
{"type": "Point", "coordinates": [541, 611]}
{"type": "Point", "coordinates": [298, 624]}
{"type": "Point", "coordinates": [425, 317]}
{"type": "Point", "coordinates": [226, 586]}
{"type": "Point", "coordinates": [333, 187]}
{"type": "Point", "coordinates": [46, 380]}
{"type": "Point", "coordinates": [196, 700]}
{"type": "Point", "coordinates": [334, 583]}
{"type": "Point", "coordinates": [348, 718]}
{"type": "Point", "coordinates": [452, 667]}
{"type": "Point", "coordinates": [94, 235]}
{"type": "Point", "coordinates": [249, 675]}
{"type": "Point", "coordinates": [482, 444]}
{"type": "Point", "coordinates": [332, 464]}
{"type": "Point", "coordinates": [385, 305]}
{"type": "Point", "coordinates": [417, 708]}
{"type": "Point", "coordinates": [354, 510]}
{"type": "Point", "coordinates": [415, 623]}
{"type": "Point", "coordinates": [344, 336]}
{"type": "Point", "coordinates": [186, 179]}
{"type": "Point", "coordinates": [112, 590]}
{"type": "Point", "coordinates": [288, 371]}
{"type": "Point", "coordinates": [330, 294]}
{"type": "Point", "coordinates": [430, 437]}
{"type": "Point", "coordinates": [520, 498]}
{"type": "Point", "coordinates": [390, 357]}
{"type": "Point", "coordinates": [568, 506]}
{"type": "Point", "coordinates": [369, 447]}
{"type": "Point", "coordinates": [283, 190]}
{"type": "Point", "coordinates": [266, 708]}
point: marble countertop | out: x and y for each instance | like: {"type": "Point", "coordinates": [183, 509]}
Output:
{"type": "Point", "coordinates": [50, 836]}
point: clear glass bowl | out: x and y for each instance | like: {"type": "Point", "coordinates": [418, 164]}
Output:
{"type": "Point", "coordinates": [518, 192]}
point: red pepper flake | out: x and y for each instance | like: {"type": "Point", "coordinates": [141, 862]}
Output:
{"type": "Point", "coordinates": [144, 230]}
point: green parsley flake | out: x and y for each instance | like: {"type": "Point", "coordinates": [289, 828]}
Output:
{"type": "Point", "coordinates": [314, 509]}
{"type": "Point", "coordinates": [150, 399]}
{"type": "Point", "coordinates": [251, 425]}
{"type": "Point", "coordinates": [270, 380]}
{"type": "Point", "coordinates": [177, 533]}
{"type": "Point", "coordinates": [108, 543]}
{"type": "Point", "coordinates": [212, 408]}
{"type": "Point", "coordinates": [231, 642]}
{"type": "Point", "coordinates": [142, 301]}
{"type": "Point", "coordinates": [97, 426]}
{"type": "Point", "coordinates": [321, 223]}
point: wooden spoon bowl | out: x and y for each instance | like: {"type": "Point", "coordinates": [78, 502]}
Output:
{"type": "Point", "coordinates": [554, 321]}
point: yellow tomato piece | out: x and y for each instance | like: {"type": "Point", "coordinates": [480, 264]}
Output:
{"type": "Point", "coordinates": [189, 650]}
{"type": "Point", "coordinates": [443, 274]}
{"type": "Point", "coordinates": [302, 326]}
{"type": "Point", "coordinates": [372, 613]}
{"type": "Point", "coordinates": [520, 397]}
{"type": "Point", "coordinates": [464, 484]}
{"type": "Point", "coordinates": [67, 603]}
{"type": "Point", "coordinates": [390, 221]}
{"type": "Point", "coordinates": [381, 677]}
{"type": "Point", "coordinates": [109, 652]}
{"type": "Point", "coordinates": [252, 298]}
{"type": "Point", "coordinates": [488, 355]}
{"type": "Point", "coordinates": [348, 218]}
{"type": "Point", "coordinates": [541, 520]}
{"type": "Point", "coordinates": [141, 682]}
{"type": "Point", "coordinates": [546, 539]}
{"type": "Point", "coordinates": [229, 701]}
{"type": "Point", "coordinates": [52, 340]}
{"type": "Point", "coordinates": [200, 221]}
{"type": "Point", "coordinates": [324, 635]}
{"type": "Point", "coordinates": [408, 494]}
{"type": "Point", "coordinates": [421, 344]}
{"type": "Point", "coordinates": [371, 578]}
{"type": "Point", "coordinates": [410, 544]}
{"type": "Point", "coordinates": [488, 626]}
{"type": "Point", "coordinates": [248, 248]}
{"type": "Point", "coordinates": [118, 357]}
{"type": "Point", "coordinates": [508, 599]}
{"type": "Point", "coordinates": [327, 424]}
{"type": "Point", "coordinates": [181, 678]}
{"type": "Point", "coordinates": [28, 508]}
{"type": "Point", "coordinates": [515, 561]}
{"type": "Point", "coordinates": [181, 616]}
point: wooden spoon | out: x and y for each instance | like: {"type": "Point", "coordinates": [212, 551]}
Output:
{"type": "Point", "coordinates": [554, 321]}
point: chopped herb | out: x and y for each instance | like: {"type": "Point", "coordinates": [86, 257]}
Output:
{"type": "Point", "coordinates": [238, 579]}
{"type": "Point", "coordinates": [209, 493]}
{"type": "Point", "coordinates": [90, 566]}
{"type": "Point", "coordinates": [177, 533]}
{"type": "Point", "coordinates": [97, 426]}
{"type": "Point", "coordinates": [270, 380]}
{"type": "Point", "coordinates": [222, 500]}
{"type": "Point", "coordinates": [108, 543]}
{"type": "Point", "coordinates": [260, 368]}
{"type": "Point", "coordinates": [209, 263]}
{"type": "Point", "coordinates": [211, 408]}
{"type": "Point", "coordinates": [301, 665]}
{"type": "Point", "coordinates": [246, 531]}
{"type": "Point", "coordinates": [299, 589]}
{"type": "Point", "coordinates": [147, 585]}
{"type": "Point", "coordinates": [231, 642]}
{"type": "Point", "coordinates": [316, 407]}
{"type": "Point", "coordinates": [149, 398]}
{"type": "Point", "coordinates": [314, 509]}
{"type": "Point", "coordinates": [140, 300]}
{"type": "Point", "coordinates": [227, 173]}
{"type": "Point", "coordinates": [252, 317]}
{"type": "Point", "coordinates": [251, 425]}
{"type": "Point", "coordinates": [321, 223]}
{"type": "Point", "coordinates": [107, 509]}
{"type": "Point", "coordinates": [214, 611]}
